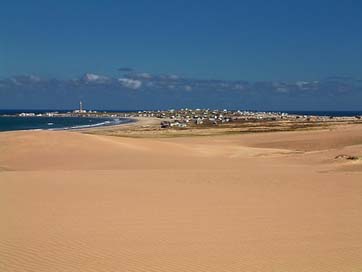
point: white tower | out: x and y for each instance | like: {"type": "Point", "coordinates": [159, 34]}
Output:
{"type": "Point", "coordinates": [80, 106]}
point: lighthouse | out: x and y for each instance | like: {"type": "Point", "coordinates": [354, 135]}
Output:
{"type": "Point", "coordinates": [80, 110]}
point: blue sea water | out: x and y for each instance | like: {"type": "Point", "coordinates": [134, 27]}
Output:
{"type": "Point", "coordinates": [10, 123]}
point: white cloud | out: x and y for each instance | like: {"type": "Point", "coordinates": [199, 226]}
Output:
{"type": "Point", "coordinates": [130, 83]}
{"type": "Point", "coordinates": [239, 87]}
{"type": "Point", "coordinates": [173, 77]}
{"type": "Point", "coordinates": [188, 88]}
{"type": "Point", "coordinates": [88, 77]}
{"type": "Point", "coordinates": [282, 90]}
{"type": "Point", "coordinates": [91, 77]}
{"type": "Point", "coordinates": [34, 78]}
{"type": "Point", "coordinates": [144, 75]}
{"type": "Point", "coordinates": [25, 79]}
{"type": "Point", "coordinates": [301, 84]}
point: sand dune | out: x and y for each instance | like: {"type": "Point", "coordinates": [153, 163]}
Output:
{"type": "Point", "coordinates": [256, 202]}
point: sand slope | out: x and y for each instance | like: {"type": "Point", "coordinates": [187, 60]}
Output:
{"type": "Point", "coordinates": [261, 202]}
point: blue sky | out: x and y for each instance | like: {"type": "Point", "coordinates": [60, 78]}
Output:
{"type": "Point", "coordinates": [229, 40]}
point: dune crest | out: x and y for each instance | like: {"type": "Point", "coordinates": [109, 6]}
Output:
{"type": "Point", "coordinates": [255, 202]}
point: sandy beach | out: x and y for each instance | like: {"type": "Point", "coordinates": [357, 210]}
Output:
{"type": "Point", "coordinates": [278, 201]}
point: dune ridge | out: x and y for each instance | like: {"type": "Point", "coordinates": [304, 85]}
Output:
{"type": "Point", "coordinates": [258, 202]}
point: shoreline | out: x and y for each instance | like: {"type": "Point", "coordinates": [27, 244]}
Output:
{"type": "Point", "coordinates": [106, 122]}
{"type": "Point", "coordinates": [134, 123]}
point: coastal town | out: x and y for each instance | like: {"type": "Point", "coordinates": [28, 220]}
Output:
{"type": "Point", "coordinates": [191, 118]}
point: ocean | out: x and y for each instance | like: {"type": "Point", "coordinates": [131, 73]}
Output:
{"type": "Point", "coordinates": [52, 123]}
